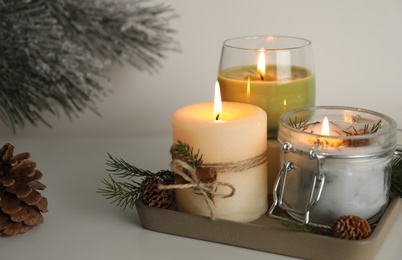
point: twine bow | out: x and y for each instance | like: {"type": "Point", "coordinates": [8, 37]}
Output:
{"type": "Point", "coordinates": [207, 190]}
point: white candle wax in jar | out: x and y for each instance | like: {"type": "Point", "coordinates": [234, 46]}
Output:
{"type": "Point", "coordinates": [356, 164]}
{"type": "Point", "coordinates": [239, 134]}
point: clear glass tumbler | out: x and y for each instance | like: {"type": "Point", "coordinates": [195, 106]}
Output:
{"type": "Point", "coordinates": [275, 73]}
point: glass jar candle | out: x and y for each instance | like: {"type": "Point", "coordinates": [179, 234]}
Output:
{"type": "Point", "coordinates": [335, 161]}
{"type": "Point", "coordinates": [275, 73]}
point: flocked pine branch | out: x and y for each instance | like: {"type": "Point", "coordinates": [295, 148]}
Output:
{"type": "Point", "coordinates": [54, 52]}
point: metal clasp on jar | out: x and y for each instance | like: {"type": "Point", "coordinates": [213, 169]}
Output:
{"type": "Point", "coordinates": [316, 185]}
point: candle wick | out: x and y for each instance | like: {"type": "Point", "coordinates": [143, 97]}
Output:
{"type": "Point", "coordinates": [261, 76]}
{"type": "Point", "coordinates": [217, 117]}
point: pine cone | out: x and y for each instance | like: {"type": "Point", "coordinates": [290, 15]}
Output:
{"type": "Point", "coordinates": [21, 204]}
{"type": "Point", "coordinates": [154, 197]}
{"type": "Point", "coordinates": [351, 228]}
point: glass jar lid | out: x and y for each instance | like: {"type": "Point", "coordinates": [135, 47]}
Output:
{"type": "Point", "coordinates": [348, 131]}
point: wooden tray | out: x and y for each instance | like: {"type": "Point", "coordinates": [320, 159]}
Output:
{"type": "Point", "coordinates": [267, 234]}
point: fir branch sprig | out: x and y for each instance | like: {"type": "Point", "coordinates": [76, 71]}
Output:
{"type": "Point", "coordinates": [366, 129]}
{"type": "Point", "coordinates": [396, 177]}
{"type": "Point", "coordinates": [123, 186]}
{"type": "Point", "coordinates": [184, 152]}
{"type": "Point", "coordinates": [126, 192]}
{"type": "Point", "coordinates": [123, 169]}
{"type": "Point", "coordinates": [301, 124]}
{"type": "Point", "coordinates": [299, 227]}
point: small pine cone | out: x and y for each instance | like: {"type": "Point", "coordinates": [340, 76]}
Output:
{"type": "Point", "coordinates": [351, 228]}
{"type": "Point", "coordinates": [21, 205]}
{"type": "Point", "coordinates": [154, 197]}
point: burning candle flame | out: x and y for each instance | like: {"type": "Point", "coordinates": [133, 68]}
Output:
{"type": "Point", "coordinates": [217, 102]}
{"type": "Point", "coordinates": [325, 127]}
{"type": "Point", "coordinates": [248, 89]}
{"type": "Point", "coordinates": [261, 63]}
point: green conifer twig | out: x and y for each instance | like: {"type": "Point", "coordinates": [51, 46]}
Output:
{"type": "Point", "coordinates": [396, 177]}
{"type": "Point", "coordinates": [184, 152]}
{"type": "Point", "coordinates": [299, 227]}
{"type": "Point", "coordinates": [127, 191]}
{"type": "Point", "coordinates": [123, 169]}
{"type": "Point", "coordinates": [124, 194]}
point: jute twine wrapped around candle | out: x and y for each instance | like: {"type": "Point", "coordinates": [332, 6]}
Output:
{"type": "Point", "coordinates": [239, 166]}
{"type": "Point", "coordinates": [209, 190]}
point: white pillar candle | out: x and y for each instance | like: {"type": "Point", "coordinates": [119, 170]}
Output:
{"type": "Point", "coordinates": [239, 134]}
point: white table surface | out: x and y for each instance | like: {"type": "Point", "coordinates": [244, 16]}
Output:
{"type": "Point", "coordinates": [82, 224]}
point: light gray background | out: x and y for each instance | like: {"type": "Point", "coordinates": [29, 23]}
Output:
{"type": "Point", "coordinates": [357, 51]}
{"type": "Point", "coordinates": [356, 44]}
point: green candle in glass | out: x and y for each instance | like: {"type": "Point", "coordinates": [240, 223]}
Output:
{"type": "Point", "coordinates": [275, 73]}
